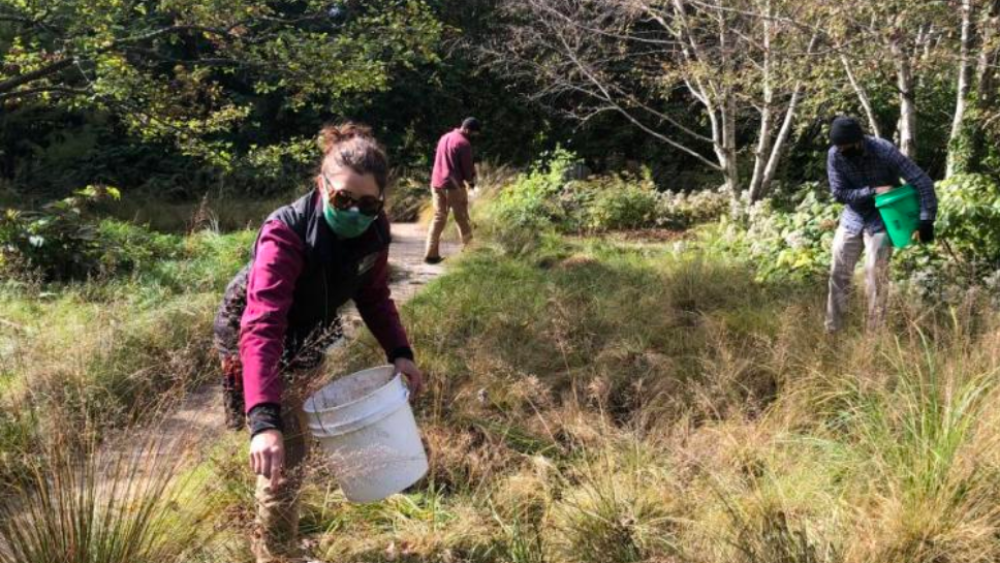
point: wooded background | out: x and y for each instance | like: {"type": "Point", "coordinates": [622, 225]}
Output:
{"type": "Point", "coordinates": [178, 98]}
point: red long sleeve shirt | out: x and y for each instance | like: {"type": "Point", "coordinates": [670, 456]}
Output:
{"type": "Point", "coordinates": [453, 161]}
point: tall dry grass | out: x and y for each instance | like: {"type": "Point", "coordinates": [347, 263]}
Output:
{"type": "Point", "coordinates": [634, 404]}
{"type": "Point", "coordinates": [593, 400]}
{"type": "Point", "coordinates": [100, 505]}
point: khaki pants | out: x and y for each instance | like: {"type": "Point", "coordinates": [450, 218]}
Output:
{"type": "Point", "coordinates": [847, 249]}
{"type": "Point", "coordinates": [454, 199]}
{"type": "Point", "coordinates": [276, 526]}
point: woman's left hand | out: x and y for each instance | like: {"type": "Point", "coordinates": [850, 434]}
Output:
{"type": "Point", "coordinates": [413, 375]}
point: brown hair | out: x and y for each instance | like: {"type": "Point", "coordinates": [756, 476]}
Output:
{"type": "Point", "coordinates": [354, 146]}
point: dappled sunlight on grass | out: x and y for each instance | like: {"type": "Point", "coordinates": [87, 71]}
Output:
{"type": "Point", "coordinates": [589, 400]}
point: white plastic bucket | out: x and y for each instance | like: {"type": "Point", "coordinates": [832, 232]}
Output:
{"type": "Point", "coordinates": [364, 423]}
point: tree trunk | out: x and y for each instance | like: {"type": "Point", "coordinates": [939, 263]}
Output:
{"type": "Point", "coordinates": [763, 150]}
{"type": "Point", "coordinates": [862, 95]}
{"type": "Point", "coordinates": [955, 152]}
{"type": "Point", "coordinates": [728, 160]}
{"type": "Point", "coordinates": [972, 149]}
{"type": "Point", "coordinates": [778, 150]}
{"type": "Point", "coordinates": [725, 145]}
{"type": "Point", "coordinates": [988, 57]}
{"type": "Point", "coordinates": [907, 102]}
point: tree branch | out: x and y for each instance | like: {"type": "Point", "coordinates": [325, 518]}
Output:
{"type": "Point", "coordinates": [22, 79]}
{"type": "Point", "coordinates": [44, 90]}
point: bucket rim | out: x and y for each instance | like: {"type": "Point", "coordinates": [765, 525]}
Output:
{"type": "Point", "coordinates": [894, 195]}
{"type": "Point", "coordinates": [345, 427]}
{"type": "Point", "coordinates": [312, 399]}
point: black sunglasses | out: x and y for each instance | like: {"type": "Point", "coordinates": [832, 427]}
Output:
{"type": "Point", "coordinates": [366, 204]}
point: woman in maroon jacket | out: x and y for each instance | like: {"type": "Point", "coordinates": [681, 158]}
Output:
{"type": "Point", "coordinates": [280, 314]}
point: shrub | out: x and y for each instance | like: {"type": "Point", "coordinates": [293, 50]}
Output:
{"type": "Point", "coordinates": [681, 210]}
{"type": "Point", "coordinates": [623, 203]}
{"type": "Point", "coordinates": [552, 197]}
{"type": "Point", "coordinates": [967, 252]}
{"type": "Point", "coordinates": [631, 208]}
{"type": "Point", "coordinates": [59, 241]}
{"type": "Point", "coordinates": [203, 261]}
{"type": "Point", "coordinates": [522, 212]}
{"type": "Point", "coordinates": [782, 245]}
{"type": "Point", "coordinates": [128, 247]}
{"type": "Point", "coordinates": [533, 197]}
{"type": "Point", "coordinates": [969, 217]}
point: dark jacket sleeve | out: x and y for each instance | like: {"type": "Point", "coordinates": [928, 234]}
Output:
{"type": "Point", "coordinates": [278, 262]}
{"type": "Point", "coordinates": [842, 191]}
{"type": "Point", "coordinates": [378, 310]}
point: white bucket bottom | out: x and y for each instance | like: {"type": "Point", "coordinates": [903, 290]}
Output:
{"type": "Point", "coordinates": [365, 425]}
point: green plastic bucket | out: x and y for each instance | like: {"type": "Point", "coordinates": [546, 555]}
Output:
{"type": "Point", "coordinates": [900, 210]}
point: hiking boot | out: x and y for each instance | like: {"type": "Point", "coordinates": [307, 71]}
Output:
{"type": "Point", "coordinates": [433, 260]}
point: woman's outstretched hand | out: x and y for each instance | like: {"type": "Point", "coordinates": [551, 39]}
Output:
{"type": "Point", "coordinates": [267, 456]}
{"type": "Point", "coordinates": [414, 377]}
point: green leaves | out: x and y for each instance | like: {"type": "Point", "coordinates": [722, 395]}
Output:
{"type": "Point", "coordinates": [969, 217]}
{"type": "Point", "coordinates": [59, 241]}
{"type": "Point", "coordinates": [782, 244]}
{"type": "Point", "coordinates": [181, 70]}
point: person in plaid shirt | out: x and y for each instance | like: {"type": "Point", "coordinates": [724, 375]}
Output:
{"type": "Point", "coordinates": [861, 167]}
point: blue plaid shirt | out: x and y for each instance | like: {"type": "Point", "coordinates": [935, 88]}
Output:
{"type": "Point", "coordinates": [853, 182]}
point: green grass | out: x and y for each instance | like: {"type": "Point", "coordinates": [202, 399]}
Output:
{"type": "Point", "coordinates": [589, 399]}
{"type": "Point", "coordinates": [114, 350]}
{"type": "Point", "coordinates": [605, 401]}
{"type": "Point", "coordinates": [211, 213]}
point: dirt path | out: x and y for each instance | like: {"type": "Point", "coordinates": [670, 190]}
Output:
{"type": "Point", "coordinates": [199, 418]}
{"type": "Point", "coordinates": [406, 257]}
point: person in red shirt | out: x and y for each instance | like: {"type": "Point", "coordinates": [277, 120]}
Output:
{"type": "Point", "coordinates": [280, 314]}
{"type": "Point", "coordinates": [454, 174]}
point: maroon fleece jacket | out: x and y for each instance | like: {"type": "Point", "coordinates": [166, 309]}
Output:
{"type": "Point", "coordinates": [278, 262]}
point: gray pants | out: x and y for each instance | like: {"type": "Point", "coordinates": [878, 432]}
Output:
{"type": "Point", "coordinates": [847, 249]}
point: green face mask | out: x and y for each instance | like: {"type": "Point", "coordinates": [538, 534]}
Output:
{"type": "Point", "coordinates": [349, 223]}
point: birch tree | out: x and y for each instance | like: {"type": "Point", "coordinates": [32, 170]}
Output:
{"type": "Point", "coordinates": [976, 82]}
{"type": "Point", "coordinates": [897, 44]}
{"type": "Point", "coordinates": [689, 73]}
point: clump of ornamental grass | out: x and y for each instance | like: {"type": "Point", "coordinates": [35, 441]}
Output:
{"type": "Point", "coordinates": [766, 533]}
{"type": "Point", "coordinates": [104, 506]}
{"type": "Point", "coordinates": [425, 524]}
{"type": "Point", "coordinates": [522, 542]}
{"type": "Point", "coordinates": [616, 505]}
{"type": "Point", "coordinates": [927, 442]}
{"type": "Point", "coordinates": [19, 438]}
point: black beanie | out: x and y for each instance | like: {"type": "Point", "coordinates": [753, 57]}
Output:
{"type": "Point", "coordinates": [846, 131]}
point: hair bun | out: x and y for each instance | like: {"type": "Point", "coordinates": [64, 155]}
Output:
{"type": "Point", "coordinates": [353, 146]}
{"type": "Point", "coordinates": [333, 135]}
